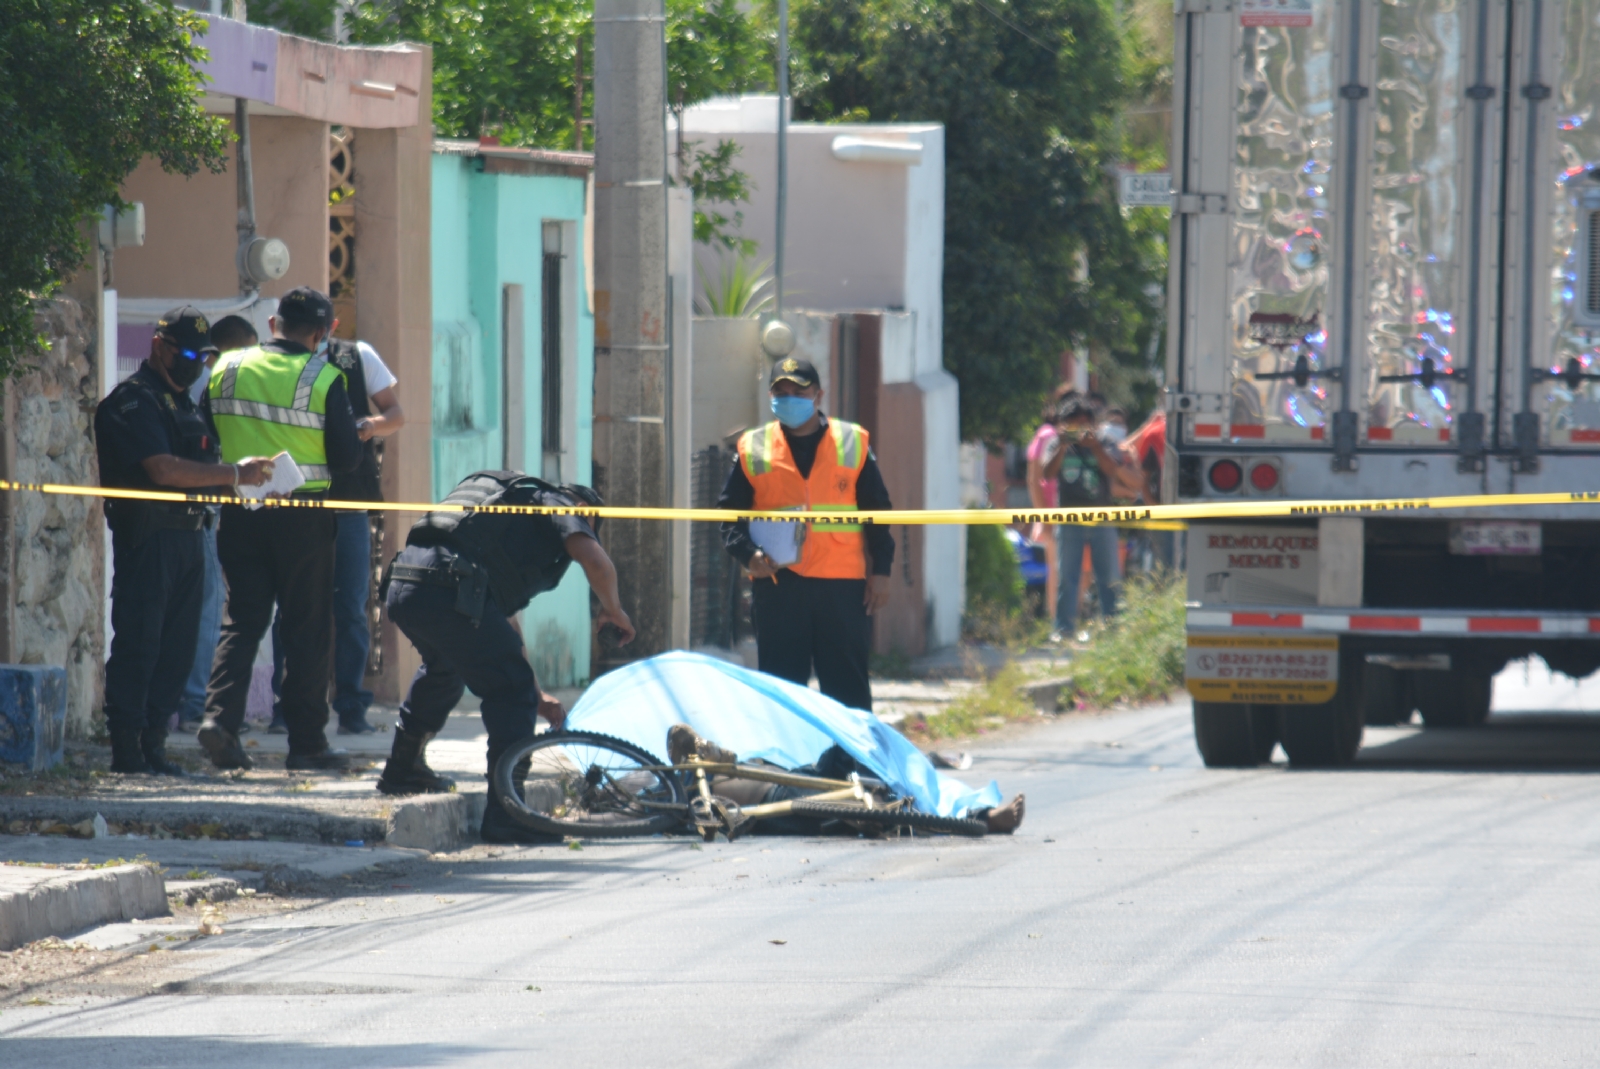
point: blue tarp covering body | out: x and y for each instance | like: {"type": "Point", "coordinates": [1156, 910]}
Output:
{"type": "Point", "coordinates": [757, 715]}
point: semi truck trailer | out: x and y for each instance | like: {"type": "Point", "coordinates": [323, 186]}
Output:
{"type": "Point", "coordinates": [1384, 283]}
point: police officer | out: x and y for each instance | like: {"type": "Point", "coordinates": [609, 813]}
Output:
{"type": "Point", "coordinates": [370, 386]}
{"type": "Point", "coordinates": [281, 397]}
{"type": "Point", "coordinates": [150, 436]}
{"type": "Point", "coordinates": [812, 599]}
{"type": "Point", "coordinates": [453, 591]}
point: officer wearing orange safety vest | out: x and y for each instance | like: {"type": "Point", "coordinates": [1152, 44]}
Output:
{"type": "Point", "coordinates": [813, 586]}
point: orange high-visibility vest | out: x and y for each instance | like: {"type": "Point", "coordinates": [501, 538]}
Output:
{"type": "Point", "coordinates": [832, 551]}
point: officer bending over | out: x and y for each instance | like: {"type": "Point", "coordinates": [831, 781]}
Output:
{"type": "Point", "coordinates": [150, 436]}
{"type": "Point", "coordinates": [454, 589]}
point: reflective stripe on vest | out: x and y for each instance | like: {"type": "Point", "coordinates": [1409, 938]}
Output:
{"type": "Point", "coordinates": [829, 551]}
{"type": "Point", "coordinates": [264, 402]}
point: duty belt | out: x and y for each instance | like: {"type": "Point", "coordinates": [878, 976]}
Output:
{"type": "Point", "coordinates": [469, 579]}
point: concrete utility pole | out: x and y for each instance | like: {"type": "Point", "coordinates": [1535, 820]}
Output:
{"type": "Point", "coordinates": [631, 375]}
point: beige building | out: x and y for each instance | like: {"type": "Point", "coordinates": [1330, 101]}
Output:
{"type": "Point", "coordinates": [340, 150]}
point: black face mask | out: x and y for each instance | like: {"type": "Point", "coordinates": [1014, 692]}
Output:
{"type": "Point", "coordinates": [184, 372]}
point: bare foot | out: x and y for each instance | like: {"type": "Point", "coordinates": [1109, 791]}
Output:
{"type": "Point", "coordinates": [1005, 819]}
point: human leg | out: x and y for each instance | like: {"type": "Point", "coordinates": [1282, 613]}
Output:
{"type": "Point", "coordinates": [783, 627]}
{"type": "Point", "coordinates": [243, 549]}
{"type": "Point", "coordinates": [277, 726]}
{"type": "Point", "coordinates": [1103, 547]}
{"type": "Point", "coordinates": [137, 613]}
{"type": "Point", "coordinates": [192, 707]}
{"type": "Point", "coordinates": [352, 635]}
{"type": "Point", "coordinates": [1070, 540]}
{"type": "Point", "coordinates": [841, 639]}
{"type": "Point", "coordinates": [183, 565]}
{"type": "Point", "coordinates": [304, 566]}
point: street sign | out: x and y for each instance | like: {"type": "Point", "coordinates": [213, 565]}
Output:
{"type": "Point", "coordinates": [1147, 190]}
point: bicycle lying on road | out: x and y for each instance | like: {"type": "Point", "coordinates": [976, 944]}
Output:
{"type": "Point", "coordinates": [587, 785]}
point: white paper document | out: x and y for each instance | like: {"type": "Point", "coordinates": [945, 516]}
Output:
{"type": "Point", "coordinates": [778, 539]}
{"type": "Point", "coordinates": [286, 479]}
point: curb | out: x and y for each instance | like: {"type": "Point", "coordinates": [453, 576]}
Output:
{"type": "Point", "coordinates": [37, 903]}
{"type": "Point", "coordinates": [431, 822]}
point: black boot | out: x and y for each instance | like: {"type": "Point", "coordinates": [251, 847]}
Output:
{"type": "Point", "coordinates": [126, 753]}
{"type": "Point", "coordinates": [222, 746]}
{"type": "Point", "coordinates": [407, 770]}
{"type": "Point", "coordinates": [500, 827]}
{"type": "Point", "coordinates": [153, 744]}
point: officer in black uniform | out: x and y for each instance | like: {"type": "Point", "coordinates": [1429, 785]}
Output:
{"type": "Point", "coordinates": [151, 436]}
{"type": "Point", "coordinates": [453, 591]}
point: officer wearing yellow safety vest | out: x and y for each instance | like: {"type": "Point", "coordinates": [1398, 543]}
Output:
{"type": "Point", "coordinates": [282, 397]}
{"type": "Point", "coordinates": [813, 587]}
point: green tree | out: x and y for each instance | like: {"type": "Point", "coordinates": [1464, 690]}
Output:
{"type": "Point", "coordinates": [1029, 93]}
{"type": "Point", "coordinates": [88, 88]}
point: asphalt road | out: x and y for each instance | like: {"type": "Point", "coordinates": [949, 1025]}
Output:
{"type": "Point", "coordinates": [1434, 905]}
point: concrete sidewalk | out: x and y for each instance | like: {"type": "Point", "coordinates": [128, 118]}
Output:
{"type": "Point", "coordinates": [54, 886]}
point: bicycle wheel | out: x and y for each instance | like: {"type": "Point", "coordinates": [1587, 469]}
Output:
{"type": "Point", "coordinates": [588, 786]}
{"type": "Point", "coordinates": [890, 818]}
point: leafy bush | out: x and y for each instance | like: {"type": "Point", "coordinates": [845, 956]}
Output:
{"type": "Point", "coordinates": [994, 582]}
{"type": "Point", "coordinates": [1137, 654]}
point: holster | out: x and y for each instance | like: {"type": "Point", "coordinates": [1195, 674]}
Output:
{"type": "Point", "coordinates": [469, 579]}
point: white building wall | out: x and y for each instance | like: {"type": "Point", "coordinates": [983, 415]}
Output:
{"type": "Point", "coordinates": [944, 555]}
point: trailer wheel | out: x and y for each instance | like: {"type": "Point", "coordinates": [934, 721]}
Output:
{"type": "Point", "coordinates": [1235, 735]}
{"type": "Point", "coordinates": [1327, 735]}
{"type": "Point", "coordinates": [1453, 699]}
{"type": "Point", "coordinates": [1386, 696]}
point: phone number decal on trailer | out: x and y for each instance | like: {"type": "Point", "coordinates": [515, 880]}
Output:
{"type": "Point", "coordinates": [1262, 669]}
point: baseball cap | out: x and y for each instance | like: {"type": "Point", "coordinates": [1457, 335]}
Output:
{"type": "Point", "coordinates": [792, 369]}
{"type": "Point", "coordinates": [305, 307]}
{"type": "Point", "coordinates": [187, 328]}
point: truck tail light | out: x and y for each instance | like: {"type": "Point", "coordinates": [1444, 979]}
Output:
{"type": "Point", "coordinates": [1225, 476]}
{"type": "Point", "coordinates": [1264, 477]}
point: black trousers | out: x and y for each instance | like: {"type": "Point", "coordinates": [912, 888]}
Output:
{"type": "Point", "coordinates": [281, 556]}
{"type": "Point", "coordinates": [156, 591]}
{"type": "Point", "coordinates": [488, 659]}
{"type": "Point", "coordinates": [805, 624]}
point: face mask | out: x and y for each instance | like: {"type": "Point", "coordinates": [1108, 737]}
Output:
{"type": "Point", "coordinates": [793, 411]}
{"type": "Point", "coordinates": [184, 371]}
{"type": "Point", "coordinates": [322, 347]}
{"type": "Point", "coordinates": [1112, 432]}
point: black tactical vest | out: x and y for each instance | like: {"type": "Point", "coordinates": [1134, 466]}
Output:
{"type": "Point", "coordinates": [361, 484]}
{"type": "Point", "coordinates": [525, 555]}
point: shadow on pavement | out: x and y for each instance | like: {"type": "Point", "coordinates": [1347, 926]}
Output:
{"type": "Point", "coordinates": [207, 1052]}
{"type": "Point", "coordinates": [1519, 741]}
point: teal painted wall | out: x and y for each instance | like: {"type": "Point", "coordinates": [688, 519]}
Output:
{"type": "Point", "coordinates": [487, 233]}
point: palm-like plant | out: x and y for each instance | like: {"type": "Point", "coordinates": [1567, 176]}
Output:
{"type": "Point", "coordinates": [741, 290]}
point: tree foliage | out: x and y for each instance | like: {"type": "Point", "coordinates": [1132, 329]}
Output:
{"type": "Point", "coordinates": [1029, 93]}
{"type": "Point", "coordinates": [88, 88]}
{"type": "Point", "coordinates": [509, 69]}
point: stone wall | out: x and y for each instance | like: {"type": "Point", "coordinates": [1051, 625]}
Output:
{"type": "Point", "coordinates": [55, 548]}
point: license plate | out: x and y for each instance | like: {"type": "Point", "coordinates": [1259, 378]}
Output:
{"type": "Point", "coordinates": [1264, 669]}
{"type": "Point", "coordinates": [1496, 538]}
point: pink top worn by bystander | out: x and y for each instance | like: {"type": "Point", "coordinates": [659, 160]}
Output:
{"type": "Point", "coordinates": [1046, 488]}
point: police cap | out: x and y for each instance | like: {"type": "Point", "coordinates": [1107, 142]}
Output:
{"type": "Point", "coordinates": [305, 308]}
{"type": "Point", "coordinates": [187, 328]}
{"type": "Point", "coordinates": [792, 369]}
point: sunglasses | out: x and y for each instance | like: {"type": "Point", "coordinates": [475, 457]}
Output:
{"type": "Point", "coordinates": [187, 354]}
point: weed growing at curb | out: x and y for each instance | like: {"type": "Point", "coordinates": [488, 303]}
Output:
{"type": "Point", "coordinates": [1138, 654]}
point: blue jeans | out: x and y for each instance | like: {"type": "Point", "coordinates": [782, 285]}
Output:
{"type": "Point", "coordinates": [1102, 543]}
{"type": "Point", "coordinates": [212, 597]}
{"type": "Point", "coordinates": [352, 638]}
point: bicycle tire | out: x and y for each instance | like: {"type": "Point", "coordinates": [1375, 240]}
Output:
{"type": "Point", "coordinates": [890, 818]}
{"type": "Point", "coordinates": [559, 803]}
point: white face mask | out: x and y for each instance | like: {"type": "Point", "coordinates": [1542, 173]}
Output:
{"type": "Point", "coordinates": [1112, 432]}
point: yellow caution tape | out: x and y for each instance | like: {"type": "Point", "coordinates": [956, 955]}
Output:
{"type": "Point", "coordinates": [1157, 517]}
